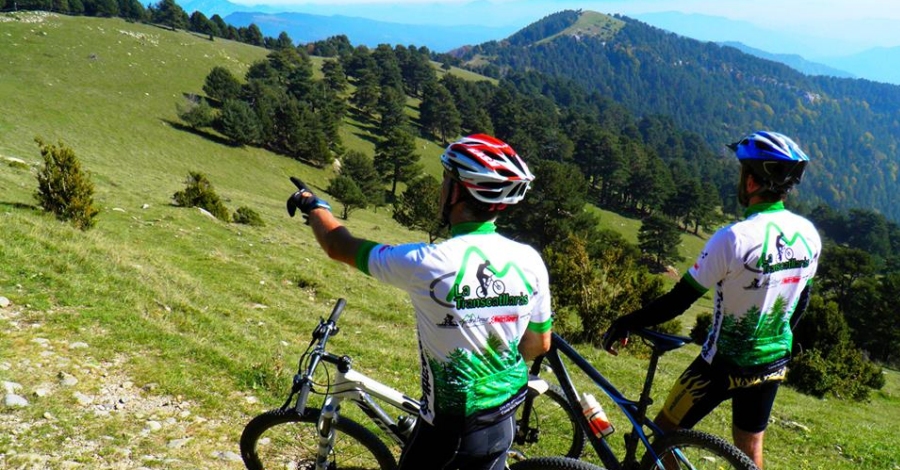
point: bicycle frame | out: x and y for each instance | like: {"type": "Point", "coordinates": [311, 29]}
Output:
{"type": "Point", "coordinates": [635, 411]}
{"type": "Point", "coordinates": [356, 387]}
{"type": "Point", "coordinates": [361, 389]}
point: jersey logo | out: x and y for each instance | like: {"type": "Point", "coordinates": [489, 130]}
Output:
{"type": "Point", "coordinates": [480, 284]}
{"type": "Point", "coordinates": [780, 252]}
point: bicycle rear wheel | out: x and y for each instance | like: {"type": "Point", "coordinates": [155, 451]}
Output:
{"type": "Point", "coordinates": [287, 440]}
{"type": "Point", "coordinates": [551, 428]}
{"type": "Point", "coordinates": [553, 463]}
{"type": "Point", "coordinates": [695, 450]}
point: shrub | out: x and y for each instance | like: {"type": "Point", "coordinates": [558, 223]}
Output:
{"type": "Point", "coordinates": [200, 193]}
{"type": "Point", "coordinates": [701, 328]}
{"type": "Point", "coordinates": [63, 189]}
{"type": "Point", "coordinates": [247, 216]}
{"type": "Point", "coordinates": [196, 112]}
{"type": "Point", "coordinates": [842, 372]}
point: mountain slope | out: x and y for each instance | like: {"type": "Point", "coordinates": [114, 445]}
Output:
{"type": "Point", "coordinates": [847, 126]}
{"type": "Point", "coordinates": [170, 329]}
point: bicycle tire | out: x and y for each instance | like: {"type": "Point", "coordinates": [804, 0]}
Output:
{"type": "Point", "coordinates": [280, 439]}
{"type": "Point", "coordinates": [553, 463]}
{"type": "Point", "coordinates": [553, 428]}
{"type": "Point", "coordinates": [701, 449]}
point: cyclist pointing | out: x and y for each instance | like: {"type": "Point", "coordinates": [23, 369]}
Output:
{"type": "Point", "coordinates": [761, 269]}
{"type": "Point", "coordinates": [472, 348]}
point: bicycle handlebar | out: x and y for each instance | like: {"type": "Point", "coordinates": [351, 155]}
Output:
{"type": "Point", "coordinates": [338, 309]}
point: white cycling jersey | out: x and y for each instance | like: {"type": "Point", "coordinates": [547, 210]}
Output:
{"type": "Point", "coordinates": [474, 295]}
{"type": "Point", "coordinates": [759, 267]}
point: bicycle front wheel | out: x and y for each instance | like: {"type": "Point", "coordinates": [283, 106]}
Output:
{"type": "Point", "coordinates": [547, 425]}
{"type": "Point", "coordinates": [553, 463]}
{"type": "Point", "coordinates": [695, 450]}
{"type": "Point", "coordinates": [287, 440]}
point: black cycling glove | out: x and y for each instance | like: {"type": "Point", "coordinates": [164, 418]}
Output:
{"type": "Point", "coordinates": [304, 200]}
{"type": "Point", "coordinates": [616, 333]}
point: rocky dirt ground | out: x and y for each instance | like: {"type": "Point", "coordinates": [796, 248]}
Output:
{"type": "Point", "coordinates": [63, 409]}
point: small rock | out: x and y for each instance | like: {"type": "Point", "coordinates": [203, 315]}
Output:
{"type": "Point", "coordinates": [153, 426]}
{"type": "Point", "coordinates": [67, 380]}
{"type": "Point", "coordinates": [13, 400]}
{"type": "Point", "coordinates": [11, 387]}
{"type": "Point", "coordinates": [227, 456]}
{"type": "Point", "coordinates": [83, 400]}
{"type": "Point", "coordinates": [177, 443]}
{"type": "Point", "coordinates": [4, 302]}
{"type": "Point", "coordinates": [796, 425]}
{"type": "Point", "coordinates": [78, 345]}
{"type": "Point", "coordinates": [145, 206]}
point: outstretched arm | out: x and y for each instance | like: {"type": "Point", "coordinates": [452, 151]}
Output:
{"type": "Point", "coordinates": [333, 237]}
{"type": "Point", "coordinates": [661, 310]}
{"type": "Point", "coordinates": [337, 242]}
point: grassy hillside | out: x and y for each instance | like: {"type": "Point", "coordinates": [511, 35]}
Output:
{"type": "Point", "coordinates": [149, 341]}
{"type": "Point", "coordinates": [591, 23]}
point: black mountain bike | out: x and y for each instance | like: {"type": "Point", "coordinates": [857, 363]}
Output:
{"type": "Point", "coordinates": [302, 437]}
{"type": "Point", "coordinates": [551, 423]}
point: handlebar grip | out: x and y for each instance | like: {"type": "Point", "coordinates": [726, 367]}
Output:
{"type": "Point", "coordinates": [338, 309]}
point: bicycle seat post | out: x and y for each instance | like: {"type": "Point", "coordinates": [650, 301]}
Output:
{"type": "Point", "coordinates": [645, 399]}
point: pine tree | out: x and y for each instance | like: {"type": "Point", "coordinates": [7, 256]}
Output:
{"type": "Point", "coordinates": [418, 208]}
{"type": "Point", "coordinates": [345, 191]}
{"type": "Point", "coordinates": [660, 238]}
{"type": "Point", "coordinates": [438, 114]}
{"type": "Point", "coordinates": [361, 169]}
{"type": "Point", "coordinates": [396, 159]}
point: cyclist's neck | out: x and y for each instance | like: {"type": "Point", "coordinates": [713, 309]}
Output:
{"type": "Point", "coordinates": [473, 227]}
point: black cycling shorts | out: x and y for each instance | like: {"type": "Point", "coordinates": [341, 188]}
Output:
{"type": "Point", "coordinates": [453, 447]}
{"type": "Point", "coordinates": [701, 388]}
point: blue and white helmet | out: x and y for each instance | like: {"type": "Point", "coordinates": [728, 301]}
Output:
{"type": "Point", "coordinates": [772, 157]}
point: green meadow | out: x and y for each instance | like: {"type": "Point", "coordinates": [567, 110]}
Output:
{"type": "Point", "coordinates": [150, 340]}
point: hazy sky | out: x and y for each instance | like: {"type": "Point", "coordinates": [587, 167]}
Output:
{"type": "Point", "coordinates": [857, 23]}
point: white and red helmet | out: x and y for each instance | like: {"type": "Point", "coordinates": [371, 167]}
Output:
{"type": "Point", "coordinates": [488, 168]}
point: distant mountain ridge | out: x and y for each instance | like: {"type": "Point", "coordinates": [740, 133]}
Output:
{"type": "Point", "coordinates": [721, 93]}
{"type": "Point", "coordinates": [878, 64]}
{"type": "Point", "coordinates": [794, 61]}
{"type": "Point", "coordinates": [305, 28]}
{"type": "Point", "coordinates": [433, 25]}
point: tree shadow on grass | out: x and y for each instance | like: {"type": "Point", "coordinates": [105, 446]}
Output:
{"type": "Point", "coordinates": [201, 133]}
{"type": "Point", "coordinates": [19, 205]}
{"type": "Point", "coordinates": [367, 137]}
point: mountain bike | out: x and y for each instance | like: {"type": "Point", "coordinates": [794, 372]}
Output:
{"type": "Point", "coordinates": [548, 423]}
{"type": "Point", "coordinates": [304, 437]}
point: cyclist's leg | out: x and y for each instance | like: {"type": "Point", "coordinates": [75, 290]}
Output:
{"type": "Point", "coordinates": [697, 392]}
{"type": "Point", "coordinates": [429, 447]}
{"type": "Point", "coordinates": [750, 411]}
{"type": "Point", "coordinates": [486, 448]}
{"type": "Point", "coordinates": [453, 447]}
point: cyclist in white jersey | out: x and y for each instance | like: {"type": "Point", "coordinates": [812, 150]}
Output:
{"type": "Point", "coordinates": [761, 269]}
{"type": "Point", "coordinates": [482, 304]}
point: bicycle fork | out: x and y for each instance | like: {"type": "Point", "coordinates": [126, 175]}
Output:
{"type": "Point", "coordinates": [325, 428]}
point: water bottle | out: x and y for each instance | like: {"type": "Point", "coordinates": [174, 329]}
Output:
{"type": "Point", "coordinates": [595, 415]}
